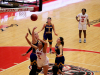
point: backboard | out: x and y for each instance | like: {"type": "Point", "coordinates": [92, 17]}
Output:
{"type": "Point", "coordinates": [20, 5]}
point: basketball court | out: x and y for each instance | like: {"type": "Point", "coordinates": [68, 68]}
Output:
{"type": "Point", "coordinates": [85, 56]}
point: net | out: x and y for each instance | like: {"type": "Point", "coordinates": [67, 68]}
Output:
{"type": "Point", "coordinates": [22, 13]}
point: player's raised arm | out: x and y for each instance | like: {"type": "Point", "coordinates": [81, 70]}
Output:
{"type": "Point", "coordinates": [35, 47]}
{"type": "Point", "coordinates": [33, 37]}
{"type": "Point", "coordinates": [42, 28]}
{"type": "Point", "coordinates": [30, 42]}
{"type": "Point", "coordinates": [45, 45]}
{"type": "Point", "coordinates": [54, 30]}
{"type": "Point", "coordinates": [29, 31]}
{"type": "Point", "coordinates": [27, 39]}
{"type": "Point", "coordinates": [24, 54]}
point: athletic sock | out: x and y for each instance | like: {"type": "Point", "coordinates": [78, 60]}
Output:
{"type": "Point", "coordinates": [84, 38]}
{"type": "Point", "coordinates": [50, 49]}
{"type": "Point", "coordinates": [79, 38]}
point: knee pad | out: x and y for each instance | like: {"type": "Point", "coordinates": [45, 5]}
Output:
{"type": "Point", "coordinates": [50, 43]}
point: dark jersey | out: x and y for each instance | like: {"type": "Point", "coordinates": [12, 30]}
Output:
{"type": "Point", "coordinates": [58, 50]}
{"type": "Point", "coordinates": [48, 29]}
{"type": "Point", "coordinates": [59, 61]}
{"type": "Point", "coordinates": [34, 51]}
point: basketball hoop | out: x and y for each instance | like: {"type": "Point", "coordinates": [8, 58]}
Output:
{"type": "Point", "coordinates": [22, 13]}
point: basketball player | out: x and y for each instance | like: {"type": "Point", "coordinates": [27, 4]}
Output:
{"type": "Point", "coordinates": [48, 32]}
{"type": "Point", "coordinates": [59, 60]}
{"type": "Point", "coordinates": [42, 59]}
{"type": "Point", "coordinates": [56, 70]}
{"type": "Point", "coordinates": [33, 57]}
{"type": "Point", "coordinates": [83, 21]}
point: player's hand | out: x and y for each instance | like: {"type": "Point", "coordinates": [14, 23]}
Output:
{"type": "Point", "coordinates": [57, 56]}
{"type": "Point", "coordinates": [34, 28]}
{"type": "Point", "coordinates": [39, 32]}
{"type": "Point", "coordinates": [24, 54]}
{"type": "Point", "coordinates": [56, 34]}
{"type": "Point", "coordinates": [59, 71]}
{"type": "Point", "coordinates": [89, 25]}
{"type": "Point", "coordinates": [26, 35]}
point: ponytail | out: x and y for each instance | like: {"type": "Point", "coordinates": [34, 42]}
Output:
{"type": "Point", "coordinates": [62, 40]}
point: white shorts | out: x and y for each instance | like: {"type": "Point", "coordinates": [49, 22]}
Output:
{"type": "Point", "coordinates": [82, 27]}
{"type": "Point", "coordinates": [41, 63]}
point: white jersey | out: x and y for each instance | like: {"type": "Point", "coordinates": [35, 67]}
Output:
{"type": "Point", "coordinates": [40, 54]}
{"type": "Point", "coordinates": [42, 59]}
{"type": "Point", "coordinates": [83, 18]}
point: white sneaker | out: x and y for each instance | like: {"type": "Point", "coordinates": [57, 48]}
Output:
{"type": "Point", "coordinates": [84, 41]}
{"type": "Point", "coordinates": [80, 41]}
{"type": "Point", "coordinates": [50, 52]}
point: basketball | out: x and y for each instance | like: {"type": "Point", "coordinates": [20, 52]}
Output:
{"type": "Point", "coordinates": [34, 17]}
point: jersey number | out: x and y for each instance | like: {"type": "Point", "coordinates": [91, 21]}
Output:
{"type": "Point", "coordinates": [82, 20]}
{"type": "Point", "coordinates": [39, 56]}
{"type": "Point", "coordinates": [49, 29]}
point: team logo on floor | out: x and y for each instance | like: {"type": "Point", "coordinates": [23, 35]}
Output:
{"type": "Point", "coordinates": [71, 70]}
{"type": "Point", "coordinates": [3, 27]}
{"type": "Point", "coordinates": [94, 21]}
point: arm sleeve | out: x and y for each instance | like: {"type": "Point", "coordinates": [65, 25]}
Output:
{"type": "Point", "coordinates": [29, 50]}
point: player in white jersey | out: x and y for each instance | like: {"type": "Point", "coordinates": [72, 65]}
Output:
{"type": "Point", "coordinates": [42, 59]}
{"type": "Point", "coordinates": [83, 21]}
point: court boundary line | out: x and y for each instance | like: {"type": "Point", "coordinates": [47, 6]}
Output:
{"type": "Point", "coordinates": [51, 58]}
{"type": "Point", "coordinates": [83, 63]}
{"type": "Point", "coordinates": [71, 49]}
{"type": "Point", "coordinates": [14, 65]}
{"type": "Point", "coordinates": [79, 63]}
